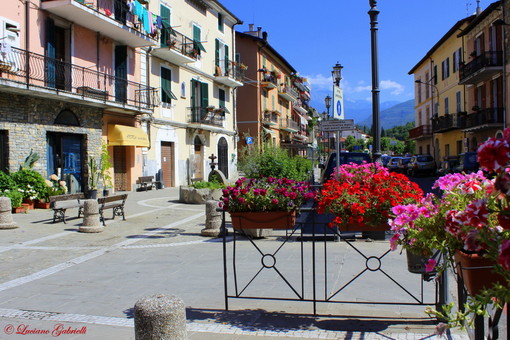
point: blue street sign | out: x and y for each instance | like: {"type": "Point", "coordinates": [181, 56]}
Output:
{"type": "Point", "coordinates": [249, 140]}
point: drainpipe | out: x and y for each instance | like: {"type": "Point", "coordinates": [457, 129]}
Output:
{"type": "Point", "coordinates": [234, 92]}
{"type": "Point", "coordinates": [27, 40]}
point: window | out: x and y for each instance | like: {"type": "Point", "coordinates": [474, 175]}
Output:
{"type": "Point", "coordinates": [221, 58]}
{"type": "Point", "coordinates": [221, 24]}
{"type": "Point", "coordinates": [197, 38]}
{"type": "Point", "coordinates": [166, 86]}
{"type": "Point", "coordinates": [166, 39]}
{"type": "Point", "coordinates": [458, 101]}
{"type": "Point", "coordinates": [427, 88]}
{"type": "Point", "coordinates": [419, 90]}
{"type": "Point", "coordinates": [221, 97]}
{"type": "Point", "coordinates": [446, 106]}
{"type": "Point", "coordinates": [419, 118]}
{"type": "Point", "coordinates": [456, 59]}
{"type": "Point", "coordinates": [435, 75]}
{"type": "Point", "coordinates": [445, 68]}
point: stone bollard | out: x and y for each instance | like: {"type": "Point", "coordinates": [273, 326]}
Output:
{"type": "Point", "coordinates": [212, 220]}
{"type": "Point", "coordinates": [160, 317]}
{"type": "Point", "coordinates": [6, 221]}
{"type": "Point", "coordinates": [91, 222]}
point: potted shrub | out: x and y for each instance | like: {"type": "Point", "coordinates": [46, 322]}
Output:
{"type": "Point", "coordinates": [94, 175]}
{"type": "Point", "coordinates": [54, 187]}
{"type": "Point", "coordinates": [31, 184]}
{"type": "Point", "coordinates": [201, 192]}
{"type": "Point", "coordinates": [104, 170]}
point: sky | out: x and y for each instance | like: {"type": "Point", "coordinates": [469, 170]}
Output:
{"type": "Point", "coordinates": [314, 35]}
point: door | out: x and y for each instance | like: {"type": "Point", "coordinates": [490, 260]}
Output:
{"type": "Point", "coordinates": [223, 156]}
{"type": "Point", "coordinates": [64, 158]}
{"type": "Point", "coordinates": [167, 163]}
{"type": "Point", "coordinates": [121, 73]}
{"type": "Point", "coordinates": [198, 159]}
{"type": "Point", "coordinates": [119, 168]}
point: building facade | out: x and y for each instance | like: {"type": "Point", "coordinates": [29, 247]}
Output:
{"type": "Point", "coordinates": [70, 80]}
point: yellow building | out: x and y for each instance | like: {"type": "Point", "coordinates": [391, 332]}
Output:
{"type": "Point", "coordinates": [440, 102]}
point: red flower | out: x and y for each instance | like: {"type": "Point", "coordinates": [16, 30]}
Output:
{"type": "Point", "coordinates": [504, 255]}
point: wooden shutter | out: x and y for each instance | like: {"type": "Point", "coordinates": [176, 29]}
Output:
{"type": "Point", "coordinates": [204, 94]}
{"type": "Point", "coordinates": [165, 20]}
{"type": "Point", "coordinates": [217, 53]}
{"type": "Point", "coordinates": [226, 59]}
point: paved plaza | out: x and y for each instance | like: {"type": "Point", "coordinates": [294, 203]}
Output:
{"type": "Point", "coordinates": [54, 278]}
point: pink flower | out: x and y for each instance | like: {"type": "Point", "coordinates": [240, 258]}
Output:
{"type": "Point", "coordinates": [430, 265]}
{"type": "Point", "coordinates": [493, 154]}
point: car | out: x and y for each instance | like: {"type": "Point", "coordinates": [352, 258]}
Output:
{"type": "Point", "coordinates": [448, 165]}
{"type": "Point", "coordinates": [393, 163]}
{"type": "Point", "coordinates": [467, 162]}
{"type": "Point", "coordinates": [345, 158]}
{"type": "Point", "coordinates": [402, 165]}
{"type": "Point", "coordinates": [385, 160]}
{"type": "Point", "coordinates": [421, 164]}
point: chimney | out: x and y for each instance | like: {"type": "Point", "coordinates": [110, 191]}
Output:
{"type": "Point", "coordinates": [264, 35]}
{"type": "Point", "coordinates": [478, 8]}
{"type": "Point", "coordinates": [259, 30]}
{"type": "Point", "coordinates": [251, 27]}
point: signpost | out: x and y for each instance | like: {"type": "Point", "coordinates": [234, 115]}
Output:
{"type": "Point", "coordinates": [337, 125]}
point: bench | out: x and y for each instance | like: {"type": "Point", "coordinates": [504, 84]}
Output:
{"type": "Point", "coordinates": [115, 202]}
{"type": "Point", "coordinates": [147, 182]}
{"type": "Point", "coordinates": [60, 203]}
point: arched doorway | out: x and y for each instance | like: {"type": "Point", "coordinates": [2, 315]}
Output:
{"type": "Point", "coordinates": [198, 158]}
{"type": "Point", "coordinates": [223, 156]}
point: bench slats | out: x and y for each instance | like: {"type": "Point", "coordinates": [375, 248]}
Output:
{"type": "Point", "coordinates": [115, 202]}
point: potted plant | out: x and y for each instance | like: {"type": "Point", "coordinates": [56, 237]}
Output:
{"type": "Point", "coordinates": [265, 203]}
{"type": "Point", "coordinates": [54, 187]}
{"type": "Point", "coordinates": [361, 196]}
{"type": "Point", "coordinates": [94, 175]}
{"type": "Point", "coordinates": [104, 170]}
{"type": "Point", "coordinates": [31, 184]}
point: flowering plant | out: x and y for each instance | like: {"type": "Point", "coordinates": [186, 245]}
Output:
{"type": "Point", "coordinates": [365, 194]}
{"type": "Point", "coordinates": [54, 187]}
{"type": "Point", "coordinates": [265, 194]}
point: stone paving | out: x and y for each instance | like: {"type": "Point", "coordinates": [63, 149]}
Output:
{"type": "Point", "coordinates": [73, 285]}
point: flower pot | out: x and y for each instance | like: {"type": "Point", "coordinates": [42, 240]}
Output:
{"type": "Point", "coordinates": [30, 204]}
{"type": "Point", "coordinates": [416, 263]}
{"type": "Point", "coordinates": [19, 210]}
{"type": "Point", "coordinates": [42, 205]}
{"type": "Point", "coordinates": [92, 194]}
{"type": "Point", "coordinates": [364, 227]}
{"type": "Point", "coordinates": [476, 271]}
{"type": "Point", "coordinates": [263, 219]}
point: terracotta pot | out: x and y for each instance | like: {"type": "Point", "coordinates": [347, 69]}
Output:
{"type": "Point", "coordinates": [476, 271]}
{"type": "Point", "coordinates": [30, 204]}
{"type": "Point", "coordinates": [42, 205]}
{"type": "Point", "coordinates": [364, 227]}
{"type": "Point", "coordinates": [19, 210]}
{"type": "Point", "coordinates": [263, 220]}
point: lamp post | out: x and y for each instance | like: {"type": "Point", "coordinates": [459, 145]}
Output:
{"type": "Point", "coordinates": [337, 73]}
{"type": "Point", "coordinates": [327, 102]}
{"type": "Point", "coordinates": [373, 13]}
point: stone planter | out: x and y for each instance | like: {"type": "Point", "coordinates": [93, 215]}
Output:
{"type": "Point", "coordinates": [198, 196]}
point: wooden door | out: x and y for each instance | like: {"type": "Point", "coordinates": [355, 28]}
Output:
{"type": "Point", "coordinates": [167, 163]}
{"type": "Point", "coordinates": [119, 168]}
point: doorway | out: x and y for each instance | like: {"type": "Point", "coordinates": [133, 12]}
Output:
{"type": "Point", "coordinates": [64, 158]}
{"type": "Point", "coordinates": [167, 163]}
{"type": "Point", "coordinates": [58, 71]}
{"type": "Point", "coordinates": [198, 158]}
{"type": "Point", "coordinates": [121, 73]}
{"type": "Point", "coordinates": [223, 156]}
{"type": "Point", "coordinates": [119, 168]}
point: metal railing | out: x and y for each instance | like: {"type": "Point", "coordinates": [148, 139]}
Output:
{"type": "Point", "coordinates": [448, 122]}
{"type": "Point", "coordinates": [486, 59]}
{"type": "Point", "coordinates": [269, 78]}
{"type": "Point", "coordinates": [487, 116]}
{"type": "Point", "coordinates": [289, 124]}
{"type": "Point", "coordinates": [289, 90]}
{"type": "Point", "coordinates": [421, 131]}
{"type": "Point", "coordinates": [36, 70]}
{"type": "Point", "coordinates": [178, 42]}
{"type": "Point", "coordinates": [270, 118]}
{"type": "Point", "coordinates": [206, 115]}
{"type": "Point", "coordinates": [228, 68]}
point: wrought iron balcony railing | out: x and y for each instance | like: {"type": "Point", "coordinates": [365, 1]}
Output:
{"type": "Point", "coordinates": [206, 115]}
{"type": "Point", "coordinates": [289, 125]}
{"type": "Point", "coordinates": [288, 93]}
{"type": "Point", "coordinates": [489, 116]}
{"type": "Point", "coordinates": [37, 71]}
{"type": "Point", "coordinates": [231, 69]}
{"type": "Point", "coordinates": [269, 80]}
{"type": "Point", "coordinates": [448, 122]}
{"type": "Point", "coordinates": [489, 61]}
{"type": "Point", "coordinates": [176, 41]}
{"type": "Point", "coordinates": [420, 132]}
{"type": "Point", "coordinates": [270, 118]}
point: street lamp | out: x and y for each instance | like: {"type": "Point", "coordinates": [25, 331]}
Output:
{"type": "Point", "coordinates": [327, 102]}
{"type": "Point", "coordinates": [373, 13]}
{"type": "Point", "coordinates": [337, 73]}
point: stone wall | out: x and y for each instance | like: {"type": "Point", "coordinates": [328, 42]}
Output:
{"type": "Point", "coordinates": [27, 120]}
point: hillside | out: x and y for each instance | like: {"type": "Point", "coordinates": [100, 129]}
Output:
{"type": "Point", "coordinates": [396, 115]}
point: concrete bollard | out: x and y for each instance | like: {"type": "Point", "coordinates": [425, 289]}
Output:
{"type": "Point", "coordinates": [91, 222]}
{"type": "Point", "coordinates": [212, 220]}
{"type": "Point", "coordinates": [160, 317]}
{"type": "Point", "coordinates": [6, 221]}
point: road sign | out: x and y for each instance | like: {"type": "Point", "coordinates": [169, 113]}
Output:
{"type": "Point", "coordinates": [249, 140]}
{"type": "Point", "coordinates": [337, 125]}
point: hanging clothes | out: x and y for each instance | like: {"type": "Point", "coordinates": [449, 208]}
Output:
{"type": "Point", "coordinates": [159, 22]}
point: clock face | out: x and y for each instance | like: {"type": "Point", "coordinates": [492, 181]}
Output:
{"type": "Point", "coordinates": [339, 108]}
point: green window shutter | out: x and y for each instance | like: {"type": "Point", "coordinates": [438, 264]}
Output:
{"type": "Point", "coordinates": [193, 92]}
{"type": "Point", "coordinates": [204, 92]}
{"type": "Point", "coordinates": [196, 33]}
{"type": "Point", "coordinates": [217, 53]}
{"type": "Point", "coordinates": [226, 59]}
{"type": "Point", "coordinates": [166, 86]}
{"type": "Point", "coordinates": [221, 96]}
{"type": "Point", "coordinates": [165, 19]}
{"type": "Point", "coordinates": [220, 22]}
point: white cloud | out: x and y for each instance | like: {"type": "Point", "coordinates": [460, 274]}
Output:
{"type": "Point", "coordinates": [396, 88]}
{"type": "Point", "coordinates": [320, 82]}
{"type": "Point", "coordinates": [363, 88]}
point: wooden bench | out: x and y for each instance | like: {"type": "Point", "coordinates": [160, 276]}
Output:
{"type": "Point", "coordinates": [147, 182]}
{"type": "Point", "coordinates": [60, 203]}
{"type": "Point", "coordinates": [115, 202]}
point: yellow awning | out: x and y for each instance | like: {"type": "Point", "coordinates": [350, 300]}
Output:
{"type": "Point", "coordinates": [127, 135]}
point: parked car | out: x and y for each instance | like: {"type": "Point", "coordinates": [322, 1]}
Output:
{"type": "Point", "coordinates": [402, 164]}
{"type": "Point", "coordinates": [448, 165]}
{"type": "Point", "coordinates": [421, 164]}
{"type": "Point", "coordinates": [393, 164]}
{"type": "Point", "coordinates": [345, 158]}
{"type": "Point", "coordinates": [385, 160]}
{"type": "Point", "coordinates": [467, 162]}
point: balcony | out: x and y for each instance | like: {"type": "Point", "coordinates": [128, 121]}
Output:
{"type": "Point", "coordinates": [483, 67]}
{"type": "Point", "coordinates": [300, 136]}
{"type": "Point", "coordinates": [269, 81]}
{"type": "Point", "coordinates": [299, 107]}
{"type": "Point", "coordinates": [289, 125]}
{"type": "Point", "coordinates": [109, 17]}
{"type": "Point", "coordinates": [288, 93]}
{"type": "Point", "coordinates": [448, 122]}
{"type": "Point", "coordinates": [422, 131]}
{"type": "Point", "coordinates": [230, 75]}
{"type": "Point", "coordinates": [206, 116]}
{"type": "Point", "coordinates": [270, 118]}
{"type": "Point", "coordinates": [484, 119]}
{"type": "Point", "coordinates": [34, 74]}
{"type": "Point", "coordinates": [176, 48]}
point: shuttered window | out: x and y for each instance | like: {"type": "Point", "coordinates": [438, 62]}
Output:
{"type": "Point", "coordinates": [166, 86]}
